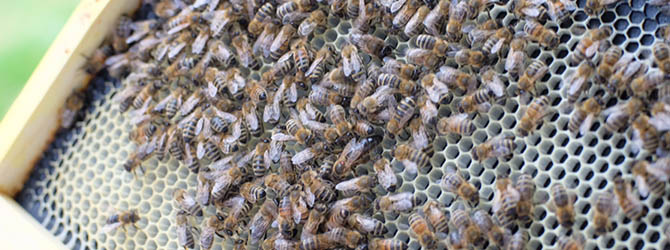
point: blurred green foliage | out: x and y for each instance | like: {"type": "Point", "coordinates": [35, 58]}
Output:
{"type": "Point", "coordinates": [28, 28]}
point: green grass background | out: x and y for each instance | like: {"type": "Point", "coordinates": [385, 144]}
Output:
{"type": "Point", "coordinates": [28, 28]}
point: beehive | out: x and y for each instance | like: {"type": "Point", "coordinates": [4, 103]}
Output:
{"type": "Point", "coordinates": [79, 176]}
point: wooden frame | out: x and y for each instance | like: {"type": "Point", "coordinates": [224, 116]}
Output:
{"type": "Point", "coordinates": [33, 119]}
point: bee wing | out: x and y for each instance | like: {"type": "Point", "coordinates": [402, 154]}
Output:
{"type": "Point", "coordinates": [267, 160]}
{"type": "Point", "coordinates": [200, 125]}
{"type": "Point", "coordinates": [437, 91]}
{"type": "Point", "coordinates": [642, 186]}
{"type": "Point", "coordinates": [275, 150]}
{"type": "Point", "coordinates": [660, 169]}
{"type": "Point", "coordinates": [294, 17]}
{"type": "Point", "coordinates": [496, 47]}
{"type": "Point", "coordinates": [302, 156]}
{"type": "Point", "coordinates": [271, 112]}
{"type": "Point", "coordinates": [397, 5]}
{"type": "Point", "coordinates": [200, 150]}
{"type": "Point", "coordinates": [306, 27]}
{"type": "Point", "coordinates": [410, 166]}
{"type": "Point", "coordinates": [513, 59]}
{"type": "Point", "coordinates": [586, 124]}
{"type": "Point", "coordinates": [222, 164]}
{"type": "Point", "coordinates": [281, 137]}
{"type": "Point", "coordinates": [314, 65]}
{"type": "Point", "coordinates": [161, 105]}
{"type": "Point", "coordinates": [637, 142]}
{"type": "Point", "coordinates": [348, 185]}
{"type": "Point", "coordinates": [591, 51]}
{"type": "Point", "coordinates": [496, 86]}
{"type": "Point", "coordinates": [661, 121]}
{"type": "Point", "coordinates": [386, 177]}
{"type": "Point", "coordinates": [316, 126]}
{"type": "Point", "coordinates": [107, 228]}
{"type": "Point", "coordinates": [189, 104]}
{"type": "Point", "coordinates": [576, 85]}
{"type": "Point", "coordinates": [532, 11]}
{"type": "Point", "coordinates": [420, 138]}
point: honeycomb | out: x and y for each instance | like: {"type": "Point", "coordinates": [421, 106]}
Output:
{"type": "Point", "coordinates": [79, 179]}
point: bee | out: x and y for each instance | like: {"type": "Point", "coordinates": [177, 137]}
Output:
{"type": "Point", "coordinates": [315, 241]}
{"type": "Point", "coordinates": [260, 163]}
{"type": "Point", "coordinates": [453, 182]}
{"type": "Point", "coordinates": [412, 158]}
{"type": "Point", "coordinates": [316, 19]}
{"type": "Point", "coordinates": [469, 57]}
{"type": "Point", "coordinates": [584, 117]}
{"type": "Point", "coordinates": [499, 146]}
{"type": "Point", "coordinates": [457, 79]}
{"type": "Point", "coordinates": [576, 242]}
{"type": "Point", "coordinates": [261, 18]}
{"type": "Point", "coordinates": [435, 19]}
{"type": "Point", "coordinates": [174, 144]}
{"type": "Point", "coordinates": [516, 56]}
{"type": "Point", "coordinates": [337, 217]}
{"type": "Point", "coordinates": [267, 35]}
{"type": "Point", "coordinates": [403, 86]}
{"type": "Point", "coordinates": [629, 203]}
{"type": "Point", "coordinates": [324, 97]}
{"type": "Point", "coordinates": [244, 52]}
{"type": "Point", "coordinates": [505, 201]}
{"type": "Point", "coordinates": [363, 128]}
{"type": "Point", "coordinates": [617, 117]}
{"type": "Point", "coordinates": [518, 241]}
{"type": "Point", "coordinates": [403, 16]}
{"type": "Point", "coordinates": [627, 71]}
{"type": "Point", "coordinates": [278, 241]}
{"type": "Point", "coordinates": [645, 136]}
{"type": "Point", "coordinates": [606, 66]}
{"type": "Point", "coordinates": [436, 216]}
{"type": "Point", "coordinates": [121, 219]}
{"type": "Point", "coordinates": [495, 43]}
{"type": "Point", "coordinates": [396, 203]}
{"type": "Point", "coordinates": [253, 123]}
{"type": "Point", "coordinates": [210, 228]}
{"type": "Point", "coordinates": [403, 112]}
{"type": "Point", "coordinates": [422, 57]}
{"type": "Point", "coordinates": [230, 177]}
{"type": "Point", "coordinates": [366, 225]}
{"type": "Point", "coordinates": [285, 216]}
{"type": "Point", "coordinates": [579, 81]}
{"type": "Point", "coordinates": [649, 178]}
{"type": "Point", "coordinates": [526, 84]}
{"type": "Point", "coordinates": [421, 230]}
{"type": "Point", "coordinates": [534, 115]}
{"type": "Point", "coordinates": [529, 9]}
{"type": "Point", "coordinates": [352, 152]}
{"type": "Point", "coordinates": [314, 151]}
{"type": "Point", "coordinates": [316, 217]}
{"type": "Point", "coordinates": [595, 7]}
{"type": "Point", "coordinates": [370, 44]}
{"type": "Point", "coordinates": [643, 85]}
{"type": "Point", "coordinates": [538, 33]}
{"type": "Point", "coordinates": [590, 44]}
{"type": "Point", "coordinates": [236, 216]}
{"type": "Point", "coordinates": [343, 236]}
{"type": "Point", "coordinates": [293, 6]}
{"type": "Point", "coordinates": [320, 188]}
{"type": "Point", "coordinates": [492, 82]}
{"type": "Point", "coordinates": [281, 43]}
{"type": "Point", "coordinates": [560, 9]}
{"type": "Point", "coordinates": [604, 209]}
{"type": "Point", "coordinates": [96, 61]}
{"type": "Point", "coordinates": [145, 95]}
{"type": "Point", "coordinates": [476, 101]}
{"type": "Point", "coordinates": [73, 104]}
{"type": "Point", "coordinates": [252, 191]}
{"type": "Point", "coordinates": [385, 175]}
{"type": "Point", "coordinates": [457, 16]}
{"type": "Point", "coordinates": [357, 185]}
{"type": "Point", "coordinates": [323, 58]}
{"type": "Point", "coordinates": [525, 185]}
{"type": "Point", "coordinates": [338, 117]}
{"type": "Point", "coordinates": [187, 202]}
{"type": "Point", "coordinates": [415, 24]}
{"type": "Point", "coordinates": [437, 91]}
{"type": "Point", "coordinates": [203, 191]}
{"type": "Point", "coordinates": [262, 220]}
{"type": "Point", "coordinates": [386, 244]}
{"type": "Point", "coordinates": [184, 231]}
{"type": "Point", "coordinates": [142, 153]}
{"type": "Point", "coordinates": [486, 225]}
{"type": "Point", "coordinates": [562, 203]}
{"type": "Point", "coordinates": [462, 222]}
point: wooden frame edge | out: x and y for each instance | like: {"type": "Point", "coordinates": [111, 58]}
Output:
{"type": "Point", "coordinates": [33, 118]}
{"type": "Point", "coordinates": [21, 231]}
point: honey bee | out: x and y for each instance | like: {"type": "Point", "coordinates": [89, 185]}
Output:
{"type": "Point", "coordinates": [649, 178]}
{"type": "Point", "coordinates": [357, 185]}
{"type": "Point", "coordinates": [320, 188]}
{"type": "Point", "coordinates": [560, 9]}
{"type": "Point", "coordinates": [422, 57]}
{"type": "Point", "coordinates": [627, 70]}
{"type": "Point", "coordinates": [497, 41]}
{"type": "Point", "coordinates": [526, 84]}
{"type": "Point", "coordinates": [386, 244]}
{"type": "Point", "coordinates": [367, 15]}
{"type": "Point", "coordinates": [370, 44]}
{"type": "Point", "coordinates": [518, 241]}
{"type": "Point", "coordinates": [645, 136]}
{"type": "Point", "coordinates": [385, 175]}
{"type": "Point", "coordinates": [505, 201]}
{"type": "Point", "coordinates": [277, 241]}
{"type": "Point", "coordinates": [323, 58]}
{"type": "Point", "coordinates": [579, 81]}
{"type": "Point", "coordinates": [142, 153]}
{"type": "Point", "coordinates": [238, 208]}
{"type": "Point", "coordinates": [476, 101]}
{"type": "Point", "coordinates": [366, 225]}
{"type": "Point", "coordinates": [396, 203]}
{"type": "Point", "coordinates": [244, 52]}
{"type": "Point", "coordinates": [421, 230]}
{"type": "Point", "coordinates": [415, 24]}
{"type": "Point", "coordinates": [536, 32]}
{"type": "Point", "coordinates": [562, 203]}
{"type": "Point", "coordinates": [412, 158]}
{"type": "Point", "coordinates": [187, 202]}
{"type": "Point", "coordinates": [462, 221]}
{"type": "Point", "coordinates": [516, 56]}
{"type": "Point", "coordinates": [252, 191]}
{"type": "Point", "coordinates": [316, 217]}
{"type": "Point", "coordinates": [210, 228]}
{"type": "Point", "coordinates": [70, 111]}
{"type": "Point", "coordinates": [405, 13]}
{"type": "Point", "coordinates": [589, 45]}
{"type": "Point", "coordinates": [281, 43]}
{"type": "Point", "coordinates": [316, 19]}
{"type": "Point", "coordinates": [457, 79]}
{"type": "Point", "coordinates": [316, 241]}
{"type": "Point", "coordinates": [262, 220]}
{"type": "Point", "coordinates": [337, 217]}
{"type": "Point", "coordinates": [486, 225]}
{"type": "Point", "coordinates": [403, 112]}
{"type": "Point", "coordinates": [285, 216]}
{"type": "Point", "coordinates": [343, 236]}
{"type": "Point", "coordinates": [525, 185]}
{"type": "Point", "coordinates": [534, 115]}
{"type": "Point", "coordinates": [492, 82]}
{"type": "Point", "coordinates": [435, 19]}
{"type": "Point", "coordinates": [184, 231]}
{"type": "Point", "coordinates": [97, 61]}
{"type": "Point", "coordinates": [453, 182]}
{"type": "Point", "coordinates": [202, 194]}
{"type": "Point", "coordinates": [643, 85]}
{"type": "Point", "coordinates": [528, 9]}
{"type": "Point", "coordinates": [604, 209]}
{"type": "Point", "coordinates": [338, 117]}
{"type": "Point", "coordinates": [457, 16]}
{"type": "Point", "coordinates": [469, 57]}
{"type": "Point", "coordinates": [436, 216]}
{"type": "Point", "coordinates": [629, 203]}
{"type": "Point", "coordinates": [499, 146]}
{"type": "Point", "coordinates": [606, 66]}
{"type": "Point", "coordinates": [352, 152]}
{"type": "Point", "coordinates": [230, 177]}
{"type": "Point", "coordinates": [437, 91]}
{"type": "Point", "coordinates": [174, 144]}
{"type": "Point", "coordinates": [617, 117]}
{"type": "Point", "coordinates": [324, 97]}
{"type": "Point", "coordinates": [576, 242]}
{"type": "Point", "coordinates": [121, 219]}
{"type": "Point", "coordinates": [142, 28]}
{"type": "Point", "coordinates": [595, 7]}
{"type": "Point", "coordinates": [267, 35]}
{"type": "Point", "coordinates": [585, 115]}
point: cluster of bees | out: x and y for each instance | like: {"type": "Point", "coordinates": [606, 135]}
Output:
{"type": "Point", "coordinates": [189, 92]}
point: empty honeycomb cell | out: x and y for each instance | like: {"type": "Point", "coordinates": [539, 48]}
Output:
{"type": "Point", "coordinates": [633, 32]}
